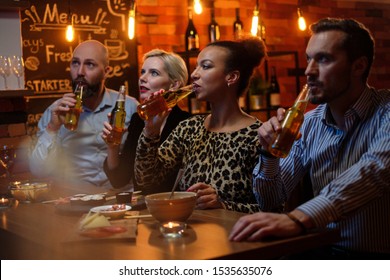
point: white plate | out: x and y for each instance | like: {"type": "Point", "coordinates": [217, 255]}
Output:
{"type": "Point", "coordinates": [107, 211]}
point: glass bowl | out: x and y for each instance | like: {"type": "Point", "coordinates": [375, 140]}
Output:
{"type": "Point", "coordinates": [30, 190]}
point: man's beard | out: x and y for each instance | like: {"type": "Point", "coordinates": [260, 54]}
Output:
{"type": "Point", "coordinates": [88, 90]}
{"type": "Point", "coordinates": [327, 97]}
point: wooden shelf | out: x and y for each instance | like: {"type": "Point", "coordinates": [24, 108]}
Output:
{"type": "Point", "coordinates": [15, 93]}
{"type": "Point", "coordinates": [295, 73]}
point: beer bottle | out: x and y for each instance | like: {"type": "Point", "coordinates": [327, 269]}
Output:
{"type": "Point", "coordinates": [73, 115]}
{"type": "Point", "coordinates": [291, 125]}
{"type": "Point", "coordinates": [118, 119]}
{"type": "Point", "coordinates": [168, 99]}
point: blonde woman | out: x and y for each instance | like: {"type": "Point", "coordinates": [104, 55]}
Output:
{"type": "Point", "coordinates": [160, 70]}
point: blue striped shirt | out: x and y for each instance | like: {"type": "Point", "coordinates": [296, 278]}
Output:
{"type": "Point", "coordinates": [349, 170]}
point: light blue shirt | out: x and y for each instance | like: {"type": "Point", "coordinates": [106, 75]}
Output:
{"type": "Point", "coordinates": [349, 170]}
{"type": "Point", "coordinates": [77, 155]}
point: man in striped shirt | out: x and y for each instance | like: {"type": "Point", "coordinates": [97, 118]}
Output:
{"type": "Point", "coordinates": [344, 147]}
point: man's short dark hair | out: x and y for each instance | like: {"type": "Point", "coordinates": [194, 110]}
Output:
{"type": "Point", "coordinates": [358, 40]}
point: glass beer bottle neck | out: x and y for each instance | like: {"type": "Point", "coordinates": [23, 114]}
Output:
{"type": "Point", "coordinates": [120, 104]}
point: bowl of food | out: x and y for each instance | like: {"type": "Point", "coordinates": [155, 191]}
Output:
{"type": "Point", "coordinates": [30, 190]}
{"type": "Point", "coordinates": [178, 208]}
{"type": "Point", "coordinates": [116, 211]}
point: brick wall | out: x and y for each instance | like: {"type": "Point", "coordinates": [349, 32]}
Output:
{"type": "Point", "coordinates": [162, 24]}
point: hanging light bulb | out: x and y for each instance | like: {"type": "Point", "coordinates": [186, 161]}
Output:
{"type": "Point", "coordinates": [198, 7]}
{"type": "Point", "coordinates": [131, 25]}
{"type": "Point", "coordinates": [69, 32]}
{"type": "Point", "coordinates": [255, 20]}
{"type": "Point", "coordinates": [301, 20]}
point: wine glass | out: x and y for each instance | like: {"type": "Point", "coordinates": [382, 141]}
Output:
{"type": "Point", "coordinates": [5, 68]}
{"type": "Point", "coordinates": [7, 156]}
{"type": "Point", "coordinates": [17, 66]}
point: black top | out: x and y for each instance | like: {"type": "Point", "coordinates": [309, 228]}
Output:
{"type": "Point", "coordinates": [124, 173]}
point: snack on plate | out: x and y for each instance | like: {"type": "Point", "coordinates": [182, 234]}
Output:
{"type": "Point", "coordinates": [115, 207]}
{"type": "Point", "coordinates": [95, 225]}
{"type": "Point", "coordinates": [116, 211]}
{"type": "Point", "coordinates": [94, 220]}
{"type": "Point", "coordinates": [102, 232]}
{"type": "Point", "coordinates": [91, 199]}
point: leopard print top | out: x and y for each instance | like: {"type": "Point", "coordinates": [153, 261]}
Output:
{"type": "Point", "coordinates": [222, 160]}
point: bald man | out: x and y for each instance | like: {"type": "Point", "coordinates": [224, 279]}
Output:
{"type": "Point", "coordinates": [79, 155]}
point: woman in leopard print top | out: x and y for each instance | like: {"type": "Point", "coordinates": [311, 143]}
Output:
{"type": "Point", "coordinates": [219, 151]}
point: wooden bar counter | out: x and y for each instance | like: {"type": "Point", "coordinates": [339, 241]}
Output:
{"type": "Point", "coordinates": [39, 231]}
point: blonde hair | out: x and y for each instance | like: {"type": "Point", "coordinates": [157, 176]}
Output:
{"type": "Point", "coordinates": [173, 63]}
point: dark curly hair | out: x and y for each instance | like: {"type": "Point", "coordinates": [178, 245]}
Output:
{"type": "Point", "coordinates": [244, 56]}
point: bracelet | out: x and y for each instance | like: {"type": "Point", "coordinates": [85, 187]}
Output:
{"type": "Point", "coordinates": [296, 221]}
{"type": "Point", "coordinates": [266, 153]}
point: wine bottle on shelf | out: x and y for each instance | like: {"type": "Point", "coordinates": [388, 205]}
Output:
{"type": "Point", "coordinates": [274, 90]}
{"type": "Point", "coordinates": [238, 26]}
{"type": "Point", "coordinates": [192, 37]}
{"type": "Point", "coordinates": [118, 119]}
{"type": "Point", "coordinates": [291, 125]}
{"type": "Point", "coordinates": [213, 27]}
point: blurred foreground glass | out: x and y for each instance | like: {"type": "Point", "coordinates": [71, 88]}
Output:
{"type": "Point", "coordinates": [7, 157]}
{"type": "Point", "coordinates": [5, 69]}
{"type": "Point", "coordinates": [168, 99]}
{"type": "Point", "coordinates": [291, 125]}
{"type": "Point", "coordinates": [73, 115]}
{"type": "Point", "coordinates": [172, 229]}
{"type": "Point", "coordinates": [17, 66]}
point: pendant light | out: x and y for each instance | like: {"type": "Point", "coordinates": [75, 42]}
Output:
{"type": "Point", "coordinates": [258, 27]}
{"type": "Point", "coordinates": [69, 33]}
{"type": "Point", "coordinates": [255, 19]}
{"type": "Point", "coordinates": [131, 25]}
{"type": "Point", "coordinates": [198, 7]}
{"type": "Point", "coordinates": [301, 20]}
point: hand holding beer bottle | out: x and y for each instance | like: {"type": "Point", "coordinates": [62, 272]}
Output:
{"type": "Point", "coordinates": [160, 103]}
{"type": "Point", "coordinates": [118, 119]}
{"type": "Point", "coordinates": [291, 125]}
{"type": "Point", "coordinates": [73, 115]}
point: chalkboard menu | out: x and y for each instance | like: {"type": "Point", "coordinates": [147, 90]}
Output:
{"type": "Point", "coordinates": [47, 54]}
